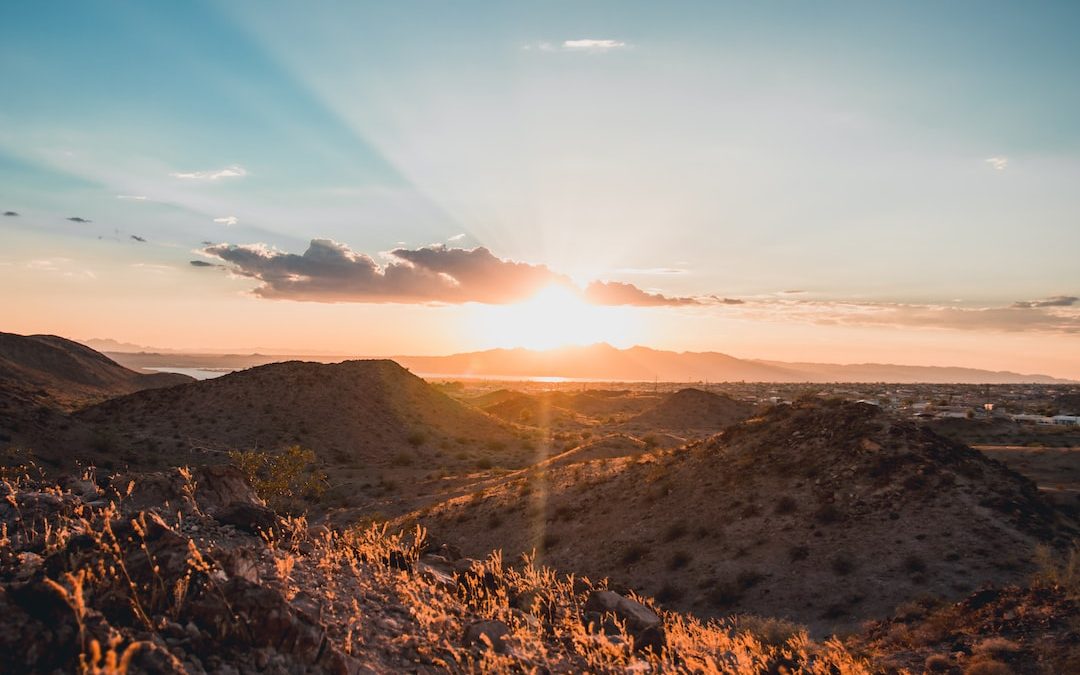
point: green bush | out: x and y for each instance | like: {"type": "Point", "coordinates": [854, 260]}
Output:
{"type": "Point", "coordinates": [283, 478]}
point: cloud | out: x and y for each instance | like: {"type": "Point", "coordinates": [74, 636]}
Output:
{"type": "Point", "coordinates": [79, 219]}
{"type": "Point", "coordinates": [234, 171]}
{"type": "Point", "coordinates": [619, 293]}
{"type": "Point", "coordinates": [581, 45]}
{"type": "Point", "coordinates": [329, 271]}
{"type": "Point", "coordinates": [138, 239]}
{"type": "Point", "coordinates": [228, 221]}
{"type": "Point", "coordinates": [731, 301]}
{"type": "Point", "coordinates": [456, 237]}
{"type": "Point", "coordinates": [592, 45]}
{"type": "Point", "coordinates": [660, 271]}
{"type": "Point", "coordinates": [998, 163]}
{"type": "Point", "coordinates": [1058, 317]}
{"type": "Point", "coordinates": [1054, 301]}
{"type": "Point", "coordinates": [135, 198]}
{"type": "Point", "coordinates": [10, 213]}
{"type": "Point", "coordinates": [202, 263]}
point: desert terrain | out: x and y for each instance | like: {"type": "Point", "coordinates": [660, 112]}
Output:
{"type": "Point", "coordinates": [394, 524]}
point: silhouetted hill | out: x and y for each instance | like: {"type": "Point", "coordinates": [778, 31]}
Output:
{"type": "Point", "coordinates": [350, 412]}
{"type": "Point", "coordinates": [606, 363]}
{"type": "Point", "coordinates": [693, 410]}
{"type": "Point", "coordinates": [825, 514]}
{"type": "Point", "coordinates": [65, 374]}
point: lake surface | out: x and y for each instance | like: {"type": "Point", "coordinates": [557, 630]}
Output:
{"type": "Point", "coordinates": [197, 373]}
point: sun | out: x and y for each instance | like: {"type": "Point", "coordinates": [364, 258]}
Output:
{"type": "Point", "coordinates": [556, 316]}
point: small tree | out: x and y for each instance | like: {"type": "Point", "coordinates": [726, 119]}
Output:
{"type": "Point", "coordinates": [283, 478]}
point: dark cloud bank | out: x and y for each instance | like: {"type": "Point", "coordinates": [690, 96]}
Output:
{"type": "Point", "coordinates": [332, 272]}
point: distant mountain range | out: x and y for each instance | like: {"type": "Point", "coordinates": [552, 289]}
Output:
{"type": "Point", "coordinates": [604, 362]}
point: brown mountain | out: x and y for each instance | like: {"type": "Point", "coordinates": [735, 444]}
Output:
{"type": "Point", "coordinates": [693, 410]}
{"type": "Point", "coordinates": [351, 413]}
{"type": "Point", "coordinates": [606, 363]}
{"type": "Point", "coordinates": [825, 514]}
{"type": "Point", "coordinates": [54, 371]}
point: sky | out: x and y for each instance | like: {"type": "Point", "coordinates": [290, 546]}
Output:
{"type": "Point", "coordinates": [828, 181]}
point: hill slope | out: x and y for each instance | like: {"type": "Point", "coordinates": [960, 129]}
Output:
{"type": "Point", "coordinates": [350, 412]}
{"type": "Point", "coordinates": [825, 515]}
{"type": "Point", "coordinates": [693, 410]}
{"type": "Point", "coordinates": [51, 370]}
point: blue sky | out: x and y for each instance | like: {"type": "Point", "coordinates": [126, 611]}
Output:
{"type": "Point", "coordinates": [912, 154]}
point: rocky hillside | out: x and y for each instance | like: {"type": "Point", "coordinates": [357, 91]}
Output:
{"type": "Point", "coordinates": [534, 410]}
{"type": "Point", "coordinates": [188, 572]}
{"type": "Point", "coordinates": [366, 412]}
{"type": "Point", "coordinates": [44, 377]}
{"type": "Point", "coordinates": [689, 410]}
{"type": "Point", "coordinates": [827, 514]}
{"type": "Point", "coordinates": [57, 372]}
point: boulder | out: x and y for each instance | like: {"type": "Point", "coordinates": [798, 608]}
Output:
{"type": "Point", "coordinates": [487, 635]}
{"type": "Point", "coordinates": [641, 622]}
{"type": "Point", "coordinates": [247, 516]}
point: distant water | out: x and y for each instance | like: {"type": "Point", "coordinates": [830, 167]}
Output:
{"type": "Point", "coordinates": [197, 373]}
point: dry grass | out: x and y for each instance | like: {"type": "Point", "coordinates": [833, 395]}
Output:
{"type": "Point", "coordinates": [379, 606]}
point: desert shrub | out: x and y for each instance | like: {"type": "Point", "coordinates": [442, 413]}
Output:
{"type": "Point", "coordinates": [402, 459]}
{"type": "Point", "coordinates": [913, 564]}
{"type": "Point", "coordinates": [281, 478]}
{"type": "Point", "coordinates": [828, 514]}
{"type": "Point", "coordinates": [990, 667]}
{"type": "Point", "coordinates": [749, 579]}
{"type": "Point", "coordinates": [799, 552]}
{"type": "Point", "coordinates": [724, 594]}
{"type": "Point", "coordinates": [632, 553]}
{"type": "Point", "coordinates": [494, 521]}
{"type": "Point", "coordinates": [550, 541]}
{"type": "Point", "coordinates": [675, 531]}
{"type": "Point", "coordinates": [786, 505]}
{"type": "Point", "coordinates": [484, 463]}
{"type": "Point", "coordinates": [416, 438]}
{"type": "Point", "coordinates": [1064, 573]}
{"type": "Point", "coordinates": [842, 564]}
{"type": "Point", "coordinates": [679, 560]}
{"type": "Point", "coordinates": [669, 593]}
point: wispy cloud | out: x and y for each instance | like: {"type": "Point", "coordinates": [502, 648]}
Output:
{"type": "Point", "coordinates": [134, 198]}
{"type": "Point", "coordinates": [139, 239]}
{"type": "Point", "coordinates": [228, 221]}
{"type": "Point", "coordinates": [1054, 301]}
{"type": "Point", "coordinates": [234, 171]}
{"type": "Point", "coordinates": [650, 271]}
{"type": "Point", "coordinates": [10, 213]}
{"type": "Point", "coordinates": [620, 293]}
{"type": "Point", "coordinates": [998, 163]}
{"type": "Point", "coordinates": [456, 237]}
{"type": "Point", "coordinates": [329, 271]}
{"type": "Point", "coordinates": [592, 45]}
{"type": "Point", "coordinates": [79, 219]}
{"type": "Point", "coordinates": [1054, 315]}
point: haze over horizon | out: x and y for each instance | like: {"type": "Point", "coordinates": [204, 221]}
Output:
{"type": "Point", "coordinates": [836, 183]}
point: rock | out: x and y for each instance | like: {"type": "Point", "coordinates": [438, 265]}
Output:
{"type": "Point", "coordinates": [247, 516]}
{"type": "Point", "coordinates": [641, 622]}
{"type": "Point", "coordinates": [495, 632]}
{"type": "Point", "coordinates": [436, 575]}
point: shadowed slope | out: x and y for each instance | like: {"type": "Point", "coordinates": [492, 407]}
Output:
{"type": "Point", "coordinates": [824, 514]}
{"type": "Point", "coordinates": [347, 412]}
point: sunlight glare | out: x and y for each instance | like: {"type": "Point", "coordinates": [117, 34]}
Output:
{"type": "Point", "coordinates": [555, 317]}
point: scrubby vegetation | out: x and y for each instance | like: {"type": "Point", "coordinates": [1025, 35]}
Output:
{"type": "Point", "coordinates": [91, 583]}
